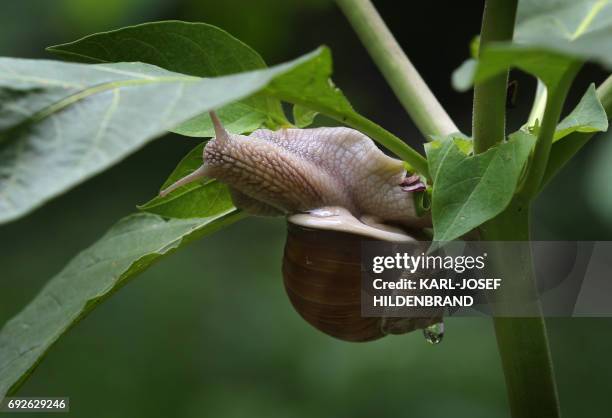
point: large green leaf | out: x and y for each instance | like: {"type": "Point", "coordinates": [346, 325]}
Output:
{"type": "Point", "coordinates": [196, 49]}
{"type": "Point", "coordinates": [61, 123]}
{"type": "Point", "coordinates": [129, 248]}
{"type": "Point", "coordinates": [470, 190]}
{"type": "Point", "coordinates": [194, 200]}
{"type": "Point", "coordinates": [578, 28]}
{"type": "Point", "coordinates": [549, 36]}
{"type": "Point", "coordinates": [311, 87]}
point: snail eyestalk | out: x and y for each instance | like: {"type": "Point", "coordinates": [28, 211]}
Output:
{"type": "Point", "coordinates": [196, 175]}
{"type": "Point", "coordinates": [220, 133]}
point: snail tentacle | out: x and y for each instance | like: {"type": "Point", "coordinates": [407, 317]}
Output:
{"type": "Point", "coordinates": [201, 172]}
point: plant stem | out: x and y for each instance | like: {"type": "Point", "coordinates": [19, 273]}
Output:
{"type": "Point", "coordinates": [409, 87]}
{"type": "Point", "coordinates": [489, 117]}
{"type": "Point", "coordinates": [522, 342]}
{"type": "Point", "coordinates": [565, 149]}
{"type": "Point", "coordinates": [523, 348]}
{"type": "Point", "coordinates": [554, 105]}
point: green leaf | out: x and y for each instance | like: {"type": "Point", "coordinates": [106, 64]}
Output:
{"type": "Point", "coordinates": [302, 116]}
{"type": "Point", "coordinates": [470, 190]}
{"type": "Point", "coordinates": [463, 77]}
{"type": "Point", "coordinates": [549, 66]}
{"type": "Point", "coordinates": [196, 49]}
{"type": "Point", "coordinates": [434, 157]}
{"type": "Point", "coordinates": [311, 87]}
{"type": "Point", "coordinates": [237, 118]}
{"type": "Point", "coordinates": [549, 36]}
{"type": "Point", "coordinates": [61, 123]}
{"type": "Point", "coordinates": [194, 200]}
{"type": "Point", "coordinates": [127, 249]}
{"type": "Point", "coordinates": [435, 150]}
{"type": "Point", "coordinates": [588, 116]}
{"type": "Point", "coordinates": [575, 28]}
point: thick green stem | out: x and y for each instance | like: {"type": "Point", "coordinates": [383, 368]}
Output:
{"type": "Point", "coordinates": [409, 87]}
{"type": "Point", "coordinates": [523, 347]}
{"type": "Point", "coordinates": [522, 342]}
{"type": "Point", "coordinates": [489, 117]}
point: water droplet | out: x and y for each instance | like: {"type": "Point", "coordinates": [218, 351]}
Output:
{"type": "Point", "coordinates": [434, 333]}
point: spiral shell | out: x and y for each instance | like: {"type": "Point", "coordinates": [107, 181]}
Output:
{"type": "Point", "coordinates": [322, 277]}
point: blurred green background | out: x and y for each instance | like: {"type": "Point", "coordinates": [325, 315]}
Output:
{"type": "Point", "coordinates": [210, 331]}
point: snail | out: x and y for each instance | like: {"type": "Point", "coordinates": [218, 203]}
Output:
{"type": "Point", "coordinates": [336, 189]}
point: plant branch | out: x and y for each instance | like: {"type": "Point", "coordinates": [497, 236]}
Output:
{"type": "Point", "coordinates": [565, 149]}
{"type": "Point", "coordinates": [489, 117]}
{"type": "Point", "coordinates": [554, 105]}
{"type": "Point", "coordinates": [409, 87]}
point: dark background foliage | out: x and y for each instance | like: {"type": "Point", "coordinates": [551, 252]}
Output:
{"type": "Point", "coordinates": [210, 332]}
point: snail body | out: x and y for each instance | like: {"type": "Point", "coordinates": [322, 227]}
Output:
{"type": "Point", "coordinates": [337, 189]}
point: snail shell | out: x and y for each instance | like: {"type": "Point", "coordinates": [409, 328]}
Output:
{"type": "Point", "coordinates": [322, 277]}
